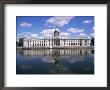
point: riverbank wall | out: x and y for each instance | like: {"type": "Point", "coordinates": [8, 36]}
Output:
{"type": "Point", "coordinates": [32, 48]}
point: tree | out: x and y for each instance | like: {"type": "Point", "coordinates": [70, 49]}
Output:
{"type": "Point", "coordinates": [92, 42]}
{"type": "Point", "coordinates": [17, 44]}
{"type": "Point", "coordinates": [21, 41]}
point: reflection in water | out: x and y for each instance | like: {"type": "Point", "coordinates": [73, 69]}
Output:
{"type": "Point", "coordinates": [55, 61]}
{"type": "Point", "coordinates": [55, 52]}
{"type": "Point", "coordinates": [92, 51]}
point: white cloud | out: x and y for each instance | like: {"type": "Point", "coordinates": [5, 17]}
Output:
{"type": "Point", "coordinates": [75, 30]}
{"type": "Point", "coordinates": [93, 29]}
{"type": "Point", "coordinates": [34, 35]}
{"type": "Point", "coordinates": [87, 21]}
{"type": "Point", "coordinates": [47, 35]}
{"type": "Point", "coordinates": [25, 24]}
{"type": "Point", "coordinates": [82, 34]}
{"type": "Point", "coordinates": [27, 35]}
{"type": "Point", "coordinates": [92, 34]}
{"type": "Point", "coordinates": [48, 32]}
{"type": "Point", "coordinates": [24, 35]}
{"type": "Point", "coordinates": [17, 39]}
{"type": "Point", "coordinates": [86, 35]}
{"type": "Point", "coordinates": [59, 20]}
{"type": "Point", "coordinates": [64, 34]}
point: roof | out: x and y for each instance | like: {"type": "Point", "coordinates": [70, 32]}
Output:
{"type": "Point", "coordinates": [55, 31]}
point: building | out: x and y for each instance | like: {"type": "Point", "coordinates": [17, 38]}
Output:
{"type": "Point", "coordinates": [57, 41]}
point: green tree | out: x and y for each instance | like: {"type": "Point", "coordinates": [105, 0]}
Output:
{"type": "Point", "coordinates": [21, 41]}
{"type": "Point", "coordinates": [17, 44]}
{"type": "Point", "coordinates": [92, 42]}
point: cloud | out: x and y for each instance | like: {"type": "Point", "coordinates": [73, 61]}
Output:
{"type": "Point", "coordinates": [92, 34]}
{"type": "Point", "coordinates": [27, 35]}
{"type": "Point", "coordinates": [47, 35]}
{"type": "Point", "coordinates": [64, 34]}
{"type": "Point", "coordinates": [25, 24]}
{"type": "Point", "coordinates": [34, 35]}
{"type": "Point", "coordinates": [59, 20]}
{"type": "Point", "coordinates": [86, 35]}
{"type": "Point", "coordinates": [93, 29]}
{"type": "Point", "coordinates": [82, 34]}
{"type": "Point", "coordinates": [17, 39]}
{"type": "Point", "coordinates": [75, 30]}
{"type": "Point", "coordinates": [48, 32]}
{"type": "Point", "coordinates": [87, 21]}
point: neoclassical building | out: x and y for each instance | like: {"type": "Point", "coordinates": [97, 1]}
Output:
{"type": "Point", "coordinates": [57, 41]}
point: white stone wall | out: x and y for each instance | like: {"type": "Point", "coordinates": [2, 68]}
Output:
{"type": "Point", "coordinates": [25, 44]}
{"type": "Point", "coordinates": [47, 43]}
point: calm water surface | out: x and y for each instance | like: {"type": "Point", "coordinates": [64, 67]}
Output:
{"type": "Point", "coordinates": [55, 61]}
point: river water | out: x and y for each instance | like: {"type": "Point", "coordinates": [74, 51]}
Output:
{"type": "Point", "coordinates": [55, 61]}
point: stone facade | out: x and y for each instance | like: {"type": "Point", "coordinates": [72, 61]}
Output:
{"type": "Point", "coordinates": [57, 41]}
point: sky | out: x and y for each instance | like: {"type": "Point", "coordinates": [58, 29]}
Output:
{"type": "Point", "coordinates": [44, 26]}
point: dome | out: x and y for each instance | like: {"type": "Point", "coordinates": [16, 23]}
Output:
{"type": "Point", "coordinates": [56, 31]}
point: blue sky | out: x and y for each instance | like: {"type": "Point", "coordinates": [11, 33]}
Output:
{"type": "Point", "coordinates": [44, 26]}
